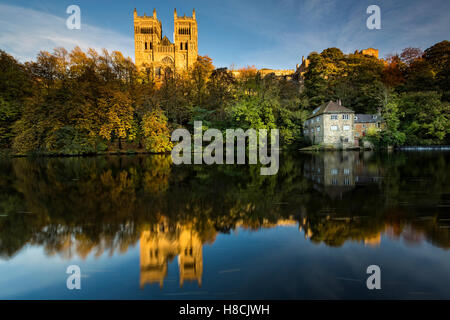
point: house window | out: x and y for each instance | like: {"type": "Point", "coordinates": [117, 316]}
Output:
{"type": "Point", "coordinates": [356, 118]}
{"type": "Point", "coordinates": [345, 116]}
{"type": "Point", "coordinates": [306, 131]}
{"type": "Point", "coordinates": [334, 171]}
{"type": "Point", "coordinates": [346, 127]}
{"type": "Point", "coordinates": [334, 128]}
{"type": "Point", "coordinates": [346, 171]}
{"type": "Point", "coordinates": [145, 45]}
{"type": "Point", "coordinates": [318, 129]}
{"type": "Point", "coordinates": [317, 119]}
{"type": "Point", "coordinates": [334, 117]}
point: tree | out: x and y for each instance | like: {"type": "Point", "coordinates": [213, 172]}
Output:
{"type": "Point", "coordinates": [117, 111]}
{"type": "Point", "coordinates": [393, 72]}
{"type": "Point", "coordinates": [420, 76]}
{"type": "Point", "coordinates": [409, 55]}
{"type": "Point", "coordinates": [221, 91]}
{"type": "Point", "coordinates": [156, 133]}
{"type": "Point", "coordinates": [438, 55]}
{"type": "Point", "coordinates": [15, 87]}
{"type": "Point", "coordinates": [199, 75]}
{"type": "Point", "coordinates": [9, 113]}
{"type": "Point", "coordinates": [426, 119]}
{"type": "Point", "coordinates": [391, 114]}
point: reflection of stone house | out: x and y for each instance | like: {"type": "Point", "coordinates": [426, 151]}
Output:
{"type": "Point", "coordinates": [162, 244]}
{"type": "Point", "coordinates": [336, 173]}
{"type": "Point", "coordinates": [365, 121]}
{"type": "Point", "coordinates": [331, 124]}
{"type": "Point", "coordinates": [332, 173]}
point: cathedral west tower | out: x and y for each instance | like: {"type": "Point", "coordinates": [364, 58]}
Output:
{"type": "Point", "coordinates": [156, 52]}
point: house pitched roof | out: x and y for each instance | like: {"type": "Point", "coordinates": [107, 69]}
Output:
{"type": "Point", "coordinates": [330, 107]}
{"type": "Point", "coordinates": [367, 118]}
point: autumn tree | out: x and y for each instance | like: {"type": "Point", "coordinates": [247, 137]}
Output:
{"type": "Point", "coordinates": [156, 134]}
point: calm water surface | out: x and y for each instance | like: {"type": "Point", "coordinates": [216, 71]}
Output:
{"type": "Point", "coordinates": [142, 228]}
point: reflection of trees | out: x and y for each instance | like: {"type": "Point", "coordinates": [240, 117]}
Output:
{"type": "Point", "coordinates": [103, 204]}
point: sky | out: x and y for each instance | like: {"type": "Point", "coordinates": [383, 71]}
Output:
{"type": "Point", "coordinates": [265, 33]}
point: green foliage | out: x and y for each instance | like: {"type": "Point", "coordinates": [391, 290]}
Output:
{"type": "Point", "coordinates": [85, 102]}
{"type": "Point", "coordinates": [69, 141]}
{"type": "Point", "coordinates": [9, 113]}
{"type": "Point", "coordinates": [353, 78]}
{"type": "Point", "coordinates": [252, 112]}
{"type": "Point", "coordinates": [416, 111]}
{"type": "Point", "coordinates": [426, 118]}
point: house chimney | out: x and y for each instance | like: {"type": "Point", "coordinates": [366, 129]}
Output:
{"type": "Point", "coordinates": [339, 102]}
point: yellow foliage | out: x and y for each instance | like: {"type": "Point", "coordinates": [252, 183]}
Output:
{"type": "Point", "coordinates": [118, 116]}
{"type": "Point", "coordinates": [372, 131]}
{"type": "Point", "coordinates": [156, 132]}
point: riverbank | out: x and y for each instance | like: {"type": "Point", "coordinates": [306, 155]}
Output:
{"type": "Point", "coordinates": [331, 148]}
{"type": "Point", "coordinates": [9, 154]}
{"type": "Point", "coordinates": [400, 148]}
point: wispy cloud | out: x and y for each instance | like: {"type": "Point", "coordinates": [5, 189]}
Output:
{"type": "Point", "coordinates": [24, 32]}
{"type": "Point", "coordinates": [265, 33]}
{"type": "Point", "coordinates": [319, 24]}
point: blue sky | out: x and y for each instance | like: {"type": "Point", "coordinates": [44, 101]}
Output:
{"type": "Point", "coordinates": [272, 34]}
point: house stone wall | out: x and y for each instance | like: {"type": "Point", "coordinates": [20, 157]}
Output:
{"type": "Point", "coordinates": [339, 138]}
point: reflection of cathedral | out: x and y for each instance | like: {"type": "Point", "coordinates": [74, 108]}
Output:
{"type": "Point", "coordinates": [162, 244]}
{"type": "Point", "coordinates": [164, 241]}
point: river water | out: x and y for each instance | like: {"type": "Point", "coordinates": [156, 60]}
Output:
{"type": "Point", "coordinates": [140, 227]}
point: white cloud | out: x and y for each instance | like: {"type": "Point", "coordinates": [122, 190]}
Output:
{"type": "Point", "coordinates": [24, 32]}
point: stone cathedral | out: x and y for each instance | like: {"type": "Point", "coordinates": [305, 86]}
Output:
{"type": "Point", "coordinates": [158, 53]}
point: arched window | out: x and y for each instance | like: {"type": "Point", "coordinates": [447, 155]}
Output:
{"type": "Point", "coordinates": [145, 45]}
{"type": "Point", "coordinates": [181, 45]}
{"type": "Point", "coordinates": [185, 46]}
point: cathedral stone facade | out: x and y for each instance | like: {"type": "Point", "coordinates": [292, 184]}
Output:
{"type": "Point", "coordinates": [156, 52]}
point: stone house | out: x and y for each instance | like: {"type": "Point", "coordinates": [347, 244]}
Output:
{"type": "Point", "coordinates": [331, 124]}
{"type": "Point", "coordinates": [365, 121]}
